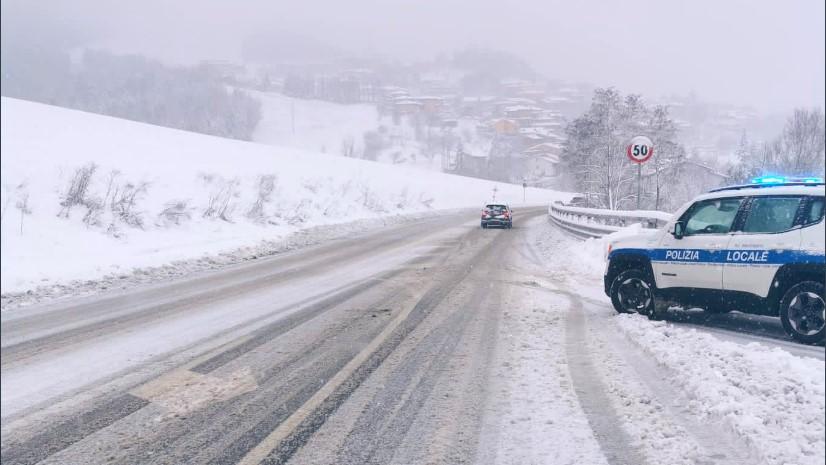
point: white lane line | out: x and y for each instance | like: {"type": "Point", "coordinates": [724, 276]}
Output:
{"type": "Point", "coordinates": [260, 451]}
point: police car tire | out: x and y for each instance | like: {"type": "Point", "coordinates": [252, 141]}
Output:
{"type": "Point", "coordinates": [811, 286]}
{"type": "Point", "coordinates": [631, 274]}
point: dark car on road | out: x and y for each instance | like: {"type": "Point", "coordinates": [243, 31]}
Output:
{"type": "Point", "coordinates": [497, 214]}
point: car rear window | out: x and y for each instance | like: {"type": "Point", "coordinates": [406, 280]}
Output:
{"type": "Point", "coordinates": [496, 208]}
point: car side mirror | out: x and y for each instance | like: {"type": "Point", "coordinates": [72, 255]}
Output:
{"type": "Point", "coordinates": [679, 230]}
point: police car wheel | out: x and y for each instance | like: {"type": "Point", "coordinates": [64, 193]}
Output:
{"type": "Point", "coordinates": [632, 292]}
{"type": "Point", "coordinates": [803, 312]}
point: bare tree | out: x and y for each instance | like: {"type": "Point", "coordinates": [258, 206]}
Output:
{"type": "Point", "coordinates": [594, 152]}
{"type": "Point", "coordinates": [663, 134]}
{"type": "Point", "coordinates": [802, 143]}
{"type": "Point", "coordinates": [798, 150]}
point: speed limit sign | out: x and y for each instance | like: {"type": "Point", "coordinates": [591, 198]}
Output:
{"type": "Point", "coordinates": [640, 149]}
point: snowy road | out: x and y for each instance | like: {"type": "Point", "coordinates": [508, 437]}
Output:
{"type": "Point", "coordinates": [431, 342]}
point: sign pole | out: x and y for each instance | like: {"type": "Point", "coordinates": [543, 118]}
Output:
{"type": "Point", "coordinates": [639, 151]}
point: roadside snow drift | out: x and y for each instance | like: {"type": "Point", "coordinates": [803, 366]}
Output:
{"type": "Point", "coordinates": [85, 195]}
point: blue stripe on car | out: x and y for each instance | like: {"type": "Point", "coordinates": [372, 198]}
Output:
{"type": "Point", "coordinates": [748, 256]}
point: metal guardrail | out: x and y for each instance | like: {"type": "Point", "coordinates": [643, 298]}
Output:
{"type": "Point", "coordinates": [598, 222]}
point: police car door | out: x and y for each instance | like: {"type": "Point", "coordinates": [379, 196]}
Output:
{"type": "Point", "coordinates": [770, 232]}
{"type": "Point", "coordinates": [695, 260]}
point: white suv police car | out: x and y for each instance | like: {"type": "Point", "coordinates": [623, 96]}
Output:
{"type": "Point", "coordinates": [756, 248]}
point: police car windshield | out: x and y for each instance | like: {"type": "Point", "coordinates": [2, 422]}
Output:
{"type": "Point", "coordinates": [714, 216]}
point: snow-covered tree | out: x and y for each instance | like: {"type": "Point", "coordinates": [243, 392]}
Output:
{"type": "Point", "coordinates": [797, 150]}
{"type": "Point", "coordinates": [594, 153]}
{"type": "Point", "coordinates": [668, 153]}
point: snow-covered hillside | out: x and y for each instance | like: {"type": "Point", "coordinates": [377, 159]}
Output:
{"type": "Point", "coordinates": [337, 128]}
{"type": "Point", "coordinates": [313, 124]}
{"type": "Point", "coordinates": [156, 195]}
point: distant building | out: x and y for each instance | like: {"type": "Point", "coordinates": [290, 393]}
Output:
{"type": "Point", "coordinates": [431, 104]}
{"type": "Point", "coordinates": [407, 106]}
{"type": "Point", "coordinates": [505, 127]}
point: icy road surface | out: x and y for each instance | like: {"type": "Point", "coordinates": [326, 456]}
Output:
{"type": "Point", "coordinates": [432, 342]}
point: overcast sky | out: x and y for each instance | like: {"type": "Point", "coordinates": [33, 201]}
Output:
{"type": "Point", "coordinates": [769, 54]}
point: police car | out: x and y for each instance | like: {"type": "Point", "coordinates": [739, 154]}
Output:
{"type": "Point", "coordinates": [756, 248]}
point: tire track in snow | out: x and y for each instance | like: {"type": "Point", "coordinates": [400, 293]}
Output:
{"type": "Point", "coordinates": [592, 393]}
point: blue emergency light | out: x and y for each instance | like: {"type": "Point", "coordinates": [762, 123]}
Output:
{"type": "Point", "coordinates": [771, 179]}
{"type": "Point", "coordinates": [774, 180]}
{"type": "Point", "coordinates": [768, 180]}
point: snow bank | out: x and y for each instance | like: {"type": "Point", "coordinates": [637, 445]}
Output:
{"type": "Point", "coordinates": [182, 174]}
{"type": "Point", "coordinates": [771, 398]}
{"type": "Point", "coordinates": [585, 258]}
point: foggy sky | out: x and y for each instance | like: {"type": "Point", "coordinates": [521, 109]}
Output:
{"type": "Point", "coordinates": [767, 54]}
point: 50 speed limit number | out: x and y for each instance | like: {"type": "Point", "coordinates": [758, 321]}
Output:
{"type": "Point", "coordinates": [640, 149]}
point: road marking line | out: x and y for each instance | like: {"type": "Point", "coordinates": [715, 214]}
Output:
{"type": "Point", "coordinates": [268, 444]}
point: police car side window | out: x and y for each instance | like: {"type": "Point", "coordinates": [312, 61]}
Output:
{"type": "Point", "coordinates": [815, 213]}
{"type": "Point", "coordinates": [771, 214]}
{"type": "Point", "coordinates": [713, 216]}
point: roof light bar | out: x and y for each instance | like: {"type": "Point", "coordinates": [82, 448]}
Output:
{"type": "Point", "coordinates": [768, 180]}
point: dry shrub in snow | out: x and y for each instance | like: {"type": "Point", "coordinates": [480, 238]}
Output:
{"type": "Point", "coordinates": [371, 200]}
{"type": "Point", "coordinates": [403, 199]}
{"type": "Point", "coordinates": [174, 212]}
{"type": "Point", "coordinates": [77, 191]}
{"type": "Point", "coordinates": [124, 203]}
{"type": "Point", "coordinates": [6, 201]}
{"type": "Point", "coordinates": [221, 201]}
{"type": "Point", "coordinates": [266, 186]}
{"type": "Point", "coordinates": [312, 185]}
{"type": "Point", "coordinates": [301, 212]}
{"type": "Point", "coordinates": [22, 205]}
{"type": "Point", "coordinates": [426, 201]}
{"type": "Point", "coordinates": [118, 205]}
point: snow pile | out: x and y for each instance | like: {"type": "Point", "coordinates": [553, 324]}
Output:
{"type": "Point", "coordinates": [585, 259]}
{"type": "Point", "coordinates": [85, 196]}
{"type": "Point", "coordinates": [771, 398]}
